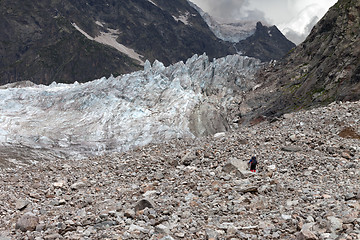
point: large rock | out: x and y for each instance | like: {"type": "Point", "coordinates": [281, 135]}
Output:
{"type": "Point", "coordinates": [27, 222]}
{"type": "Point", "coordinates": [207, 120]}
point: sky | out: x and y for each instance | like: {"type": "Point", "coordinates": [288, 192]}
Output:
{"type": "Point", "coordinates": [295, 18]}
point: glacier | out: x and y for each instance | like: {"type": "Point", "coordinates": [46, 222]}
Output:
{"type": "Point", "coordinates": [183, 100]}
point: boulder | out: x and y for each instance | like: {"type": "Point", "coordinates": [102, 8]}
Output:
{"type": "Point", "coordinates": [27, 222]}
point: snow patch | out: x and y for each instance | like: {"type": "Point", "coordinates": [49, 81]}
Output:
{"type": "Point", "coordinates": [99, 24]}
{"type": "Point", "coordinates": [152, 2]}
{"type": "Point", "coordinates": [183, 18]}
{"type": "Point", "coordinates": [109, 38]}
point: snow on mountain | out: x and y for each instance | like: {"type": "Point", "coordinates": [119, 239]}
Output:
{"type": "Point", "coordinates": [117, 114]}
{"type": "Point", "coordinates": [227, 31]}
{"type": "Point", "coordinates": [109, 38]}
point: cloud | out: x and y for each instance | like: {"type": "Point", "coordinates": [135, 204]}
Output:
{"type": "Point", "coordinates": [295, 18]}
{"type": "Point", "coordinates": [225, 9]}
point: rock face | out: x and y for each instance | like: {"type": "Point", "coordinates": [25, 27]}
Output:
{"type": "Point", "coordinates": [323, 69]}
{"type": "Point", "coordinates": [81, 40]}
{"type": "Point", "coordinates": [192, 189]}
{"type": "Point", "coordinates": [266, 44]}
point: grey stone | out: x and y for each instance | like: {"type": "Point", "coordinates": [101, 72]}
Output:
{"type": "Point", "coordinates": [334, 224]}
{"type": "Point", "coordinates": [142, 204]}
{"type": "Point", "coordinates": [249, 189]}
{"type": "Point", "coordinates": [161, 228]}
{"type": "Point", "coordinates": [306, 235]}
{"type": "Point", "coordinates": [291, 149]}
{"type": "Point", "coordinates": [53, 236]}
{"type": "Point", "coordinates": [167, 238]}
{"type": "Point", "coordinates": [21, 204]}
{"type": "Point", "coordinates": [27, 222]}
{"type": "Point", "coordinates": [77, 185]}
{"type": "Point", "coordinates": [130, 213]}
{"type": "Point", "coordinates": [211, 234]}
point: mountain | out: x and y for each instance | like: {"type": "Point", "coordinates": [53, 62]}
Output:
{"type": "Point", "coordinates": [266, 44]}
{"type": "Point", "coordinates": [250, 38]}
{"type": "Point", "coordinates": [323, 69]}
{"type": "Point", "coordinates": [68, 41]}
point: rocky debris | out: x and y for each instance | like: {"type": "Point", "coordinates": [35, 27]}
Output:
{"type": "Point", "coordinates": [141, 194]}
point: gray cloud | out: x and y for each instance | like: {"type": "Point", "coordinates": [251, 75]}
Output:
{"type": "Point", "coordinates": [298, 37]}
{"type": "Point", "coordinates": [226, 9]}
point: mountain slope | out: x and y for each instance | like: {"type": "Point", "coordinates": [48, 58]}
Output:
{"type": "Point", "coordinates": [323, 69]}
{"type": "Point", "coordinates": [63, 41]}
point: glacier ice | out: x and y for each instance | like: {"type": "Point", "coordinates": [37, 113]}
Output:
{"type": "Point", "coordinates": [119, 113]}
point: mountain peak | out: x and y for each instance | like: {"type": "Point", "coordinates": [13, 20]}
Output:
{"type": "Point", "coordinates": [259, 25]}
{"type": "Point", "coordinates": [266, 44]}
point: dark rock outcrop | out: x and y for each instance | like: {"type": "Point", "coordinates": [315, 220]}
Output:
{"type": "Point", "coordinates": [266, 44]}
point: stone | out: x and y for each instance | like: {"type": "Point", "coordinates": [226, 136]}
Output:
{"type": "Point", "coordinates": [350, 196]}
{"type": "Point", "coordinates": [288, 116]}
{"type": "Point", "coordinates": [142, 204]}
{"type": "Point", "coordinates": [4, 237]}
{"type": "Point", "coordinates": [78, 185]}
{"type": "Point", "coordinates": [188, 158]}
{"type": "Point", "coordinates": [231, 168]}
{"type": "Point", "coordinates": [293, 138]}
{"type": "Point", "coordinates": [306, 235]}
{"type": "Point", "coordinates": [211, 234]}
{"type": "Point", "coordinates": [167, 238]}
{"type": "Point", "coordinates": [54, 236]}
{"type": "Point", "coordinates": [134, 227]}
{"type": "Point", "coordinates": [334, 224]}
{"type": "Point", "coordinates": [105, 224]}
{"type": "Point", "coordinates": [130, 213]}
{"type": "Point", "coordinates": [21, 204]}
{"type": "Point", "coordinates": [271, 168]}
{"type": "Point", "coordinates": [346, 155]}
{"type": "Point", "coordinates": [27, 222]}
{"type": "Point", "coordinates": [291, 149]}
{"type": "Point", "coordinates": [286, 217]}
{"type": "Point", "coordinates": [219, 135]}
{"type": "Point", "coordinates": [161, 228]}
{"type": "Point", "coordinates": [59, 184]}
{"type": "Point", "coordinates": [247, 189]}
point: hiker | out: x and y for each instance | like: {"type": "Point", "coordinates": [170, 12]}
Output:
{"type": "Point", "coordinates": [253, 163]}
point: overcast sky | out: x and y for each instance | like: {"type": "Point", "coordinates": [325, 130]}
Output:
{"type": "Point", "coordinates": [295, 18]}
